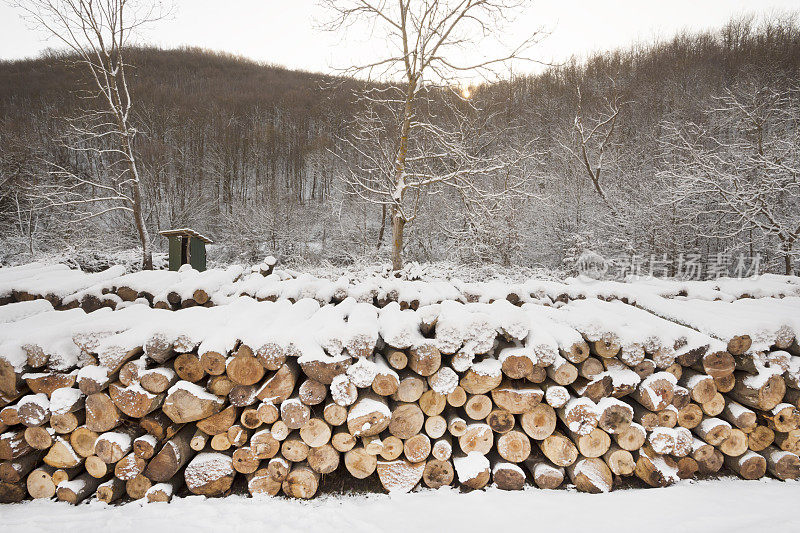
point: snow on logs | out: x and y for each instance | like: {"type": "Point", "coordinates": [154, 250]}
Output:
{"type": "Point", "coordinates": [418, 390]}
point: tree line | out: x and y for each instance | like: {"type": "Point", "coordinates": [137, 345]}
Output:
{"type": "Point", "coordinates": [687, 146]}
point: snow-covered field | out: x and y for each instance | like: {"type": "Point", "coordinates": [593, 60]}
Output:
{"type": "Point", "coordinates": [726, 505]}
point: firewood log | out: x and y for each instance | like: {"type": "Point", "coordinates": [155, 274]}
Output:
{"type": "Point", "coordinates": [508, 476]}
{"type": "Point", "coordinates": [477, 438]}
{"type": "Point", "coordinates": [748, 466]}
{"type": "Point", "coordinates": [162, 492]}
{"type": "Point", "coordinates": [438, 473]}
{"type": "Point", "coordinates": [209, 474]}
{"type": "Point", "coordinates": [713, 431]}
{"type": "Point", "coordinates": [39, 483]}
{"type": "Point", "coordinates": [501, 421]}
{"type": "Point", "coordinates": [593, 445]}
{"type": "Point", "coordinates": [244, 369]}
{"type": "Point", "coordinates": [516, 397]}
{"type": "Point", "coordinates": [38, 437]}
{"type": "Point", "coordinates": [280, 430]}
{"type": "Point", "coordinates": [245, 460]}
{"type": "Point", "coordinates": [268, 413]}
{"type": "Point", "coordinates": [539, 423]}
{"type": "Point", "coordinates": [97, 468]}
{"type": "Point", "coordinates": [77, 490]}
{"type": "Point", "coordinates": [158, 380]}
{"type": "Point", "coordinates": [294, 449]}
{"type": "Point", "coordinates": [472, 469]}
{"type": "Point", "coordinates": [559, 449]}
{"type": "Point", "coordinates": [591, 475]}
{"type": "Point", "coordinates": [359, 463]}
{"type": "Point", "coordinates": [399, 476]}
{"type": "Point", "coordinates": [33, 410]}
{"type": "Point", "coordinates": [614, 415]}
{"type": "Point", "coordinates": [435, 426]}
{"type": "Point", "coordinates": [16, 470]}
{"type": "Point", "coordinates": [407, 420]}
{"type": "Point", "coordinates": [112, 446]}
{"type": "Point", "coordinates": [784, 417]}
{"type": "Point", "coordinates": [137, 487]}
{"type": "Point", "coordinates": [631, 438]}
{"type": "Point", "coordinates": [478, 406]}
{"type": "Point", "coordinates": [654, 469]}
{"type": "Point", "coordinates": [343, 441]}
{"type": "Point", "coordinates": [690, 416]}
{"type": "Point", "coordinates": [312, 392]}
{"type": "Point", "coordinates": [442, 448]}
{"type": "Point", "coordinates": [579, 415]}
{"type": "Point", "coordinates": [397, 359]}
{"type": "Point", "coordinates": [302, 482]}
{"type": "Point", "coordinates": [129, 467]}
{"type": "Point", "coordinates": [789, 441]}
{"type": "Point", "coordinates": [655, 391]}
{"type": "Point", "coordinates": [458, 397]}
{"type": "Point", "coordinates": [701, 386]}
{"type": "Point", "coordinates": [417, 448]}
{"type": "Point", "coordinates": [736, 443]}
{"type": "Point", "coordinates": [264, 445]}
{"type": "Point", "coordinates": [545, 474]}
{"type": "Point", "coordinates": [213, 363]}
{"type": "Point", "coordinates": [619, 461]}
{"type": "Point", "coordinates": [424, 358]}
{"type": "Point", "coordinates": [61, 455]}
{"type": "Point", "coordinates": [759, 438]}
{"type": "Point", "coordinates": [456, 426]}
{"type": "Point", "coordinates": [260, 482]}
{"type": "Point", "coordinates": [537, 375]}
{"type": "Point", "coordinates": [562, 372]}
{"type": "Point", "coordinates": [323, 459]}
{"type": "Point", "coordinates": [172, 457]}
{"type": "Point", "coordinates": [334, 414]}
{"type": "Point", "coordinates": [481, 381]}
{"type": "Point", "coordinates": [783, 465]}
{"type": "Point", "coordinates": [555, 395]}
{"type": "Point", "coordinates": [369, 416]}
{"type": "Point", "coordinates": [514, 446]}
{"type": "Point", "coordinates": [188, 402]}
{"type": "Point", "coordinates": [708, 458]}
{"type": "Point", "coordinates": [218, 423]}
{"type": "Point", "coordinates": [661, 440]}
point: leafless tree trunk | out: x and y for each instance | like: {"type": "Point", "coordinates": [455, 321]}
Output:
{"type": "Point", "coordinates": [97, 33]}
{"type": "Point", "coordinates": [424, 39]}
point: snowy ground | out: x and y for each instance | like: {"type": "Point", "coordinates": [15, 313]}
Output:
{"type": "Point", "coordinates": [726, 505]}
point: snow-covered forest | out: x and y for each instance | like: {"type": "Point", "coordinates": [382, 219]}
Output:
{"type": "Point", "coordinates": [683, 146]}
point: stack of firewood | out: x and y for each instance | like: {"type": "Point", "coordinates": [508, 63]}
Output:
{"type": "Point", "coordinates": [148, 403]}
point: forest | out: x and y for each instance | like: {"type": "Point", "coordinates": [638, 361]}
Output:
{"type": "Point", "coordinates": [685, 147]}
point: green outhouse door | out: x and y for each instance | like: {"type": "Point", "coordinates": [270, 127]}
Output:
{"type": "Point", "coordinates": [186, 246]}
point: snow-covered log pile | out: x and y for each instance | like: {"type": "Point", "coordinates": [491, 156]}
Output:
{"type": "Point", "coordinates": [142, 402]}
{"type": "Point", "coordinates": [113, 288]}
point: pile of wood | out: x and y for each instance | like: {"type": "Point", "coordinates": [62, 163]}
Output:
{"type": "Point", "coordinates": [115, 289]}
{"type": "Point", "coordinates": [151, 403]}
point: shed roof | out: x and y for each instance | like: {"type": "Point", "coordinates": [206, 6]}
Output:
{"type": "Point", "coordinates": [186, 232]}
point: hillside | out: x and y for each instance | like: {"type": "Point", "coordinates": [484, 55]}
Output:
{"type": "Point", "coordinates": [244, 151]}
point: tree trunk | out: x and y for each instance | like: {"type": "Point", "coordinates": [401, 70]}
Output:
{"type": "Point", "coordinates": [398, 224]}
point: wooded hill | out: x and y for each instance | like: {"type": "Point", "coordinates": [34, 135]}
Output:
{"type": "Point", "coordinates": [244, 151]}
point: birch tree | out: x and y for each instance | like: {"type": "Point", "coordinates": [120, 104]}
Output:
{"type": "Point", "coordinates": [97, 34]}
{"type": "Point", "coordinates": [402, 145]}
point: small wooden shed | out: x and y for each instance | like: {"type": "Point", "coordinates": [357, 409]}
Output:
{"type": "Point", "coordinates": [186, 246]}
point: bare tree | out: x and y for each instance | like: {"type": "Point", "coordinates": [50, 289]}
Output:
{"type": "Point", "coordinates": [97, 33]}
{"type": "Point", "coordinates": [593, 142]}
{"type": "Point", "coordinates": [740, 166]}
{"type": "Point", "coordinates": [403, 145]}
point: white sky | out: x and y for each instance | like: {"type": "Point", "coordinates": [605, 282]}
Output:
{"type": "Point", "coordinates": [284, 32]}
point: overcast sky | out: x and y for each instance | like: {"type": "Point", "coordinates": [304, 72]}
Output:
{"type": "Point", "coordinates": [284, 32]}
